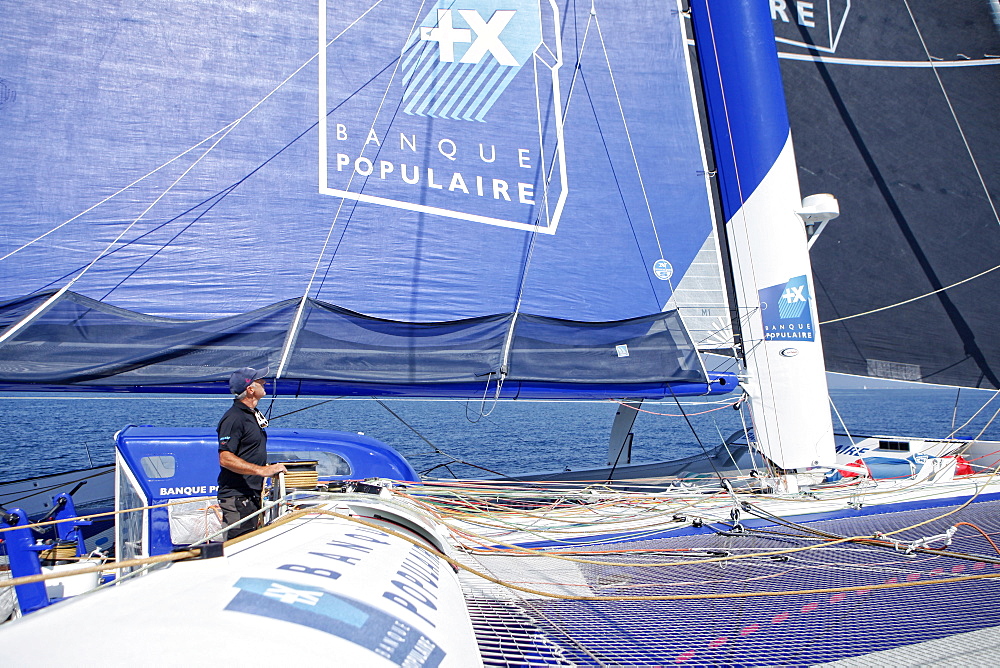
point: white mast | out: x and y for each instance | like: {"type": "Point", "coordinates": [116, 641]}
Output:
{"type": "Point", "coordinates": [786, 374]}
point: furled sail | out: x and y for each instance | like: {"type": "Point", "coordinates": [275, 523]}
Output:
{"type": "Point", "coordinates": [894, 109]}
{"type": "Point", "coordinates": [485, 191]}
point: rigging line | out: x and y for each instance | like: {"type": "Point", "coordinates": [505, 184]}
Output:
{"type": "Point", "coordinates": [434, 447]}
{"type": "Point", "coordinates": [578, 66]}
{"type": "Point", "coordinates": [975, 166]}
{"type": "Point", "coordinates": [542, 160]}
{"type": "Point", "coordinates": [846, 430]}
{"type": "Point", "coordinates": [954, 410]}
{"type": "Point", "coordinates": [559, 158]}
{"type": "Point", "coordinates": [354, 206]}
{"type": "Point", "coordinates": [725, 445]}
{"type": "Point", "coordinates": [564, 111]}
{"type": "Point", "coordinates": [751, 450]}
{"type": "Point", "coordinates": [222, 134]}
{"type": "Point", "coordinates": [981, 409]}
{"type": "Point", "coordinates": [482, 404]}
{"type": "Point", "coordinates": [876, 541]}
{"type": "Point", "coordinates": [114, 194]}
{"type": "Point", "coordinates": [44, 306]}
{"type": "Point", "coordinates": [148, 259]}
{"type": "Point", "coordinates": [226, 128]}
{"type": "Point", "coordinates": [913, 299]}
{"type": "Point", "coordinates": [134, 240]}
{"type": "Point", "coordinates": [354, 203]}
{"type": "Point", "coordinates": [220, 194]}
{"type": "Point", "coordinates": [713, 334]}
{"type": "Point", "coordinates": [708, 457]}
{"type": "Point", "coordinates": [621, 194]}
{"type": "Point", "coordinates": [299, 410]}
{"type": "Point", "coordinates": [296, 323]}
{"type": "Point", "coordinates": [916, 64]}
{"type": "Point", "coordinates": [218, 197]}
{"type": "Point", "coordinates": [987, 425]}
{"type": "Point", "coordinates": [628, 135]}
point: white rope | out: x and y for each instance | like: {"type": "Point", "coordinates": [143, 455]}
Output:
{"type": "Point", "coordinates": [44, 306]}
{"type": "Point", "coordinates": [293, 331]}
{"type": "Point", "coordinates": [846, 430]}
{"type": "Point", "coordinates": [975, 165]}
{"type": "Point", "coordinates": [913, 546]}
{"type": "Point", "coordinates": [909, 64]}
{"type": "Point", "coordinates": [111, 196]}
{"type": "Point", "coordinates": [14, 329]}
{"type": "Point", "coordinates": [913, 299]}
{"type": "Point", "coordinates": [628, 136]}
{"type": "Point", "coordinates": [981, 409]}
{"type": "Point", "coordinates": [560, 158]}
{"type": "Point", "coordinates": [579, 59]}
{"type": "Point", "coordinates": [988, 423]}
{"type": "Point", "coordinates": [541, 143]}
{"type": "Point", "coordinates": [225, 128]}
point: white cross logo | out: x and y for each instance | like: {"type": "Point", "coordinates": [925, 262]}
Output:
{"type": "Point", "coordinates": [487, 36]}
{"type": "Point", "coordinates": [792, 294]}
{"type": "Point", "coordinates": [291, 596]}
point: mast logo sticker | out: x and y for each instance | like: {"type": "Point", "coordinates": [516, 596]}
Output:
{"type": "Point", "coordinates": [786, 312]}
{"type": "Point", "coordinates": [452, 108]}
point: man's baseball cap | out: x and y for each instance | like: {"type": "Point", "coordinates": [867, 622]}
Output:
{"type": "Point", "coordinates": [243, 378]}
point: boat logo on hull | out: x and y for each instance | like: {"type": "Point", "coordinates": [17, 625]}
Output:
{"type": "Point", "coordinates": [337, 615]}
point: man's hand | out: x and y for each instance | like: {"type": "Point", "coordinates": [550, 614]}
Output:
{"type": "Point", "coordinates": [273, 470]}
{"type": "Point", "coordinates": [238, 465]}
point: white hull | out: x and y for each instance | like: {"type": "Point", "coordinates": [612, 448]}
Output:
{"type": "Point", "coordinates": [315, 589]}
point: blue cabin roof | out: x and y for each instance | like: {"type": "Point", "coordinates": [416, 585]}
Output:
{"type": "Point", "coordinates": [171, 463]}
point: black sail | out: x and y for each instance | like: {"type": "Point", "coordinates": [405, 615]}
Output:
{"type": "Point", "coordinates": [912, 152]}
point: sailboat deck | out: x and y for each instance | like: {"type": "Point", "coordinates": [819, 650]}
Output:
{"type": "Point", "coordinates": [766, 595]}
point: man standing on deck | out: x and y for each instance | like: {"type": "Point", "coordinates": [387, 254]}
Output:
{"type": "Point", "coordinates": [243, 452]}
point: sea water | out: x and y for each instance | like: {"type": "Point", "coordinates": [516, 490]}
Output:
{"type": "Point", "coordinates": [51, 433]}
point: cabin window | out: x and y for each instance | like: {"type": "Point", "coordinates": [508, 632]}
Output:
{"type": "Point", "coordinates": [329, 464]}
{"type": "Point", "coordinates": [898, 446]}
{"type": "Point", "coordinates": [158, 466]}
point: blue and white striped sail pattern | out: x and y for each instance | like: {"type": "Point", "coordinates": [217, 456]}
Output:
{"type": "Point", "coordinates": [175, 203]}
{"type": "Point", "coordinates": [439, 82]}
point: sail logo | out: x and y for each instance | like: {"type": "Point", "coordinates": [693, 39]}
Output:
{"type": "Point", "coordinates": [786, 312]}
{"type": "Point", "coordinates": [454, 109]}
{"type": "Point", "coordinates": [487, 36]}
{"type": "Point", "coordinates": [457, 63]}
{"type": "Point", "coordinates": [808, 24]}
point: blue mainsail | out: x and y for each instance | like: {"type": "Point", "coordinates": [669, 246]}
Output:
{"type": "Point", "coordinates": [467, 164]}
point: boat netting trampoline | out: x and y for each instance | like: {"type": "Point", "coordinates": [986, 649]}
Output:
{"type": "Point", "coordinates": [828, 599]}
